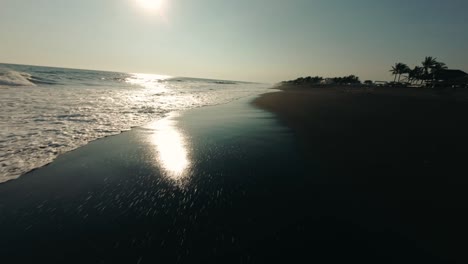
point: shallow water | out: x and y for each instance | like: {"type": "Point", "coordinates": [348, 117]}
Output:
{"type": "Point", "coordinates": [121, 198]}
{"type": "Point", "coordinates": [49, 111]}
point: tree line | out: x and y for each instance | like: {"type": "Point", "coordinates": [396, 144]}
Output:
{"type": "Point", "coordinates": [346, 80]}
{"type": "Point", "coordinates": [430, 72]}
{"type": "Point", "coordinates": [427, 72]}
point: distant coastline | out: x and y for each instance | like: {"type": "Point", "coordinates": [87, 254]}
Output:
{"type": "Point", "coordinates": [431, 74]}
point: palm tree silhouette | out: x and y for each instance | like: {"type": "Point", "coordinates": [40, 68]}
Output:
{"type": "Point", "coordinates": [428, 72]}
{"type": "Point", "coordinates": [438, 66]}
{"type": "Point", "coordinates": [416, 74]}
{"type": "Point", "coordinates": [394, 71]}
{"type": "Point", "coordinates": [398, 69]}
{"type": "Point", "coordinates": [428, 64]}
{"type": "Point", "coordinates": [404, 69]}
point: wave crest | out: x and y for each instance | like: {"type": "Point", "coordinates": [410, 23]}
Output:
{"type": "Point", "coordinates": [14, 78]}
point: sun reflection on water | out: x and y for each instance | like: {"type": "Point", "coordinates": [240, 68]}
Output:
{"type": "Point", "coordinates": [150, 81]}
{"type": "Point", "coordinates": [172, 154]}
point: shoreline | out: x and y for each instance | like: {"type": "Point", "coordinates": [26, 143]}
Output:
{"type": "Point", "coordinates": [120, 199]}
{"type": "Point", "coordinates": [247, 183]}
{"type": "Point", "coordinates": [168, 114]}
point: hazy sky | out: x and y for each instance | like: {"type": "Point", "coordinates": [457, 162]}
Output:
{"type": "Point", "coordinates": [256, 40]}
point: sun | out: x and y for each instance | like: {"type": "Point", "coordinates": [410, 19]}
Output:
{"type": "Point", "coordinates": [150, 5]}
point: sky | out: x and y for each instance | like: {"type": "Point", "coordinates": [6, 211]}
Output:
{"type": "Point", "coordinates": [250, 40]}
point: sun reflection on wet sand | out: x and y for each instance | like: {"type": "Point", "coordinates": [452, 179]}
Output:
{"type": "Point", "coordinates": [172, 154]}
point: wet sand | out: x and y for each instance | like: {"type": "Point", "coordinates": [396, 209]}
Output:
{"type": "Point", "coordinates": [120, 200]}
{"type": "Point", "coordinates": [237, 185]}
{"type": "Point", "coordinates": [397, 155]}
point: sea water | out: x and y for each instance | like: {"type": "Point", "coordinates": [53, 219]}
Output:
{"type": "Point", "coordinates": [48, 111]}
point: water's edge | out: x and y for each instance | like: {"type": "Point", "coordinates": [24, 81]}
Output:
{"type": "Point", "coordinates": [250, 100]}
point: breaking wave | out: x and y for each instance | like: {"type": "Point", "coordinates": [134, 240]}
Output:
{"type": "Point", "coordinates": [15, 78]}
{"type": "Point", "coordinates": [69, 108]}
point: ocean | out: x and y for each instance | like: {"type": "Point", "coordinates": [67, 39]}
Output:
{"type": "Point", "coordinates": [47, 111]}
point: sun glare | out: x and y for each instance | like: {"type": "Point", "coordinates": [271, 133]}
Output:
{"type": "Point", "coordinates": [150, 5]}
{"type": "Point", "coordinates": [171, 148]}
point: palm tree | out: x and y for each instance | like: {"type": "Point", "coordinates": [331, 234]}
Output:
{"type": "Point", "coordinates": [399, 69]}
{"type": "Point", "coordinates": [438, 66]}
{"type": "Point", "coordinates": [394, 71]}
{"type": "Point", "coordinates": [416, 74]}
{"type": "Point", "coordinates": [428, 64]}
{"type": "Point", "coordinates": [404, 69]}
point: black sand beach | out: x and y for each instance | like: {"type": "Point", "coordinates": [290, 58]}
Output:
{"type": "Point", "coordinates": [358, 177]}
{"type": "Point", "coordinates": [396, 158]}
{"type": "Point", "coordinates": [111, 201]}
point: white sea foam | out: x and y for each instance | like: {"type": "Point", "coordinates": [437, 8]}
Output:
{"type": "Point", "coordinates": [39, 123]}
{"type": "Point", "coordinates": [14, 78]}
